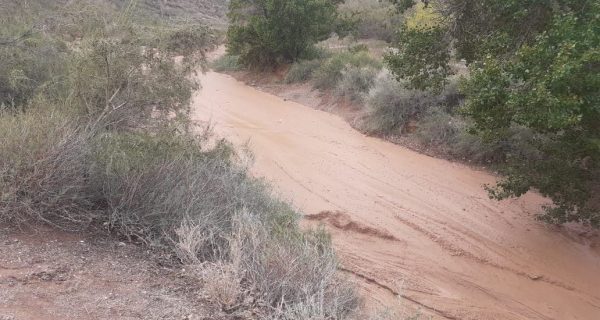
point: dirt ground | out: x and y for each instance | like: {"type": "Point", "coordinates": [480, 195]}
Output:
{"type": "Point", "coordinates": [48, 274]}
{"type": "Point", "coordinates": [411, 229]}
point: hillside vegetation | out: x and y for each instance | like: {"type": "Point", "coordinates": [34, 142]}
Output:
{"type": "Point", "coordinates": [96, 135]}
{"type": "Point", "coordinates": [209, 12]}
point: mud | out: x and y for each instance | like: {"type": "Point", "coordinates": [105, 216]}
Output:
{"type": "Point", "coordinates": [411, 229]}
{"type": "Point", "coordinates": [344, 222]}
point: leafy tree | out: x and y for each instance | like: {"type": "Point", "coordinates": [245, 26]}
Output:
{"type": "Point", "coordinates": [422, 59]}
{"type": "Point", "coordinates": [268, 32]}
{"type": "Point", "coordinates": [534, 64]}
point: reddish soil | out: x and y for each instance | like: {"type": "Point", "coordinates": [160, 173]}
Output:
{"type": "Point", "coordinates": [48, 274]}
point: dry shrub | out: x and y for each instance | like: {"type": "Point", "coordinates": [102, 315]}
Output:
{"type": "Point", "coordinates": [154, 183]}
{"type": "Point", "coordinates": [449, 134]}
{"type": "Point", "coordinates": [222, 283]}
{"type": "Point", "coordinates": [302, 71]}
{"type": "Point", "coordinates": [439, 128]}
{"type": "Point", "coordinates": [174, 193]}
{"type": "Point", "coordinates": [191, 239]}
{"type": "Point", "coordinates": [44, 163]}
{"type": "Point", "coordinates": [112, 147]}
{"type": "Point", "coordinates": [390, 105]}
{"type": "Point", "coordinates": [356, 82]}
{"type": "Point", "coordinates": [293, 270]}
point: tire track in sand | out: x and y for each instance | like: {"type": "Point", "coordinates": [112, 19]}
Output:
{"type": "Point", "coordinates": [477, 257]}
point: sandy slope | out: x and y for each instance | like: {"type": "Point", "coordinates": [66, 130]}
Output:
{"type": "Point", "coordinates": [46, 274]}
{"type": "Point", "coordinates": [410, 225]}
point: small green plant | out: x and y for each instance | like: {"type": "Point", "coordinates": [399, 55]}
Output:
{"type": "Point", "coordinates": [330, 72]}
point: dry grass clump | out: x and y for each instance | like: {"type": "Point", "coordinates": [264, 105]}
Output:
{"type": "Point", "coordinates": [222, 284]}
{"type": "Point", "coordinates": [44, 160]}
{"type": "Point", "coordinates": [292, 271]}
{"type": "Point", "coordinates": [356, 82]}
{"type": "Point", "coordinates": [302, 71]}
{"type": "Point", "coordinates": [390, 106]}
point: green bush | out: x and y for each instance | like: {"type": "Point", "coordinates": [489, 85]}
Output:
{"type": "Point", "coordinates": [420, 58]}
{"type": "Point", "coordinates": [270, 32]}
{"type": "Point", "coordinates": [514, 75]}
{"type": "Point", "coordinates": [29, 66]}
{"type": "Point", "coordinates": [316, 52]}
{"type": "Point", "coordinates": [330, 72]}
{"type": "Point", "coordinates": [114, 76]}
{"type": "Point", "coordinates": [438, 128]}
{"type": "Point", "coordinates": [302, 71]}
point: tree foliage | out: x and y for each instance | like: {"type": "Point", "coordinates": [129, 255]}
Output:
{"type": "Point", "coordinates": [267, 32]}
{"type": "Point", "coordinates": [422, 59]}
{"type": "Point", "coordinates": [534, 64]}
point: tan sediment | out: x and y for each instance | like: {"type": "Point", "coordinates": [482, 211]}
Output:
{"type": "Point", "coordinates": [410, 228]}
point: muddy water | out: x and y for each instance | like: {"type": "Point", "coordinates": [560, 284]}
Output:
{"type": "Point", "coordinates": [413, 231]}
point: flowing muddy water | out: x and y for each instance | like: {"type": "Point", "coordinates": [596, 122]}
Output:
{"type": "Point", "coordinates": [411, 229]}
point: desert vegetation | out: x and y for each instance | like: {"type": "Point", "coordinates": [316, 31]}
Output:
{"type": "Point", "coordinates": [97, 136]}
